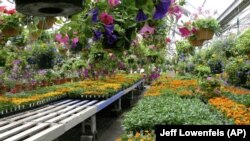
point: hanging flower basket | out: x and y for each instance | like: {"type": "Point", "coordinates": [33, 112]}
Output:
{"type": "Point", "coordinates": [47, 23]}
{"type": "Point", "coordinates": [195, 42]}
{"type": "Point", "coordinates": [10, 31]}
{"type": "Point", "coordinates": [49, 7]}
{"type": "Point", "coordinates": [204, 34]}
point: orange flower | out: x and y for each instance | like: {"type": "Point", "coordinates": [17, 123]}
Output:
{"type": "Point", "coordinates": [236, 111]}
{"type": "Point", "coordinates": [235, 90]}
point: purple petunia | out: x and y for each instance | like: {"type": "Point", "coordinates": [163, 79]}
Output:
{"type": "Point", "coordinates": [109, 28]}
{"type": "Point", "coordinates": [161, 9]}
{"type": "Point", "coordinates": [141, 16]}
{"type": "Point", "coordinates": [94, 13]}
{"type": "Point", "coordinates": [85, 72]}
{"type": "Point", "coordinates": [111, 38]}
{"type": "Point", "coordinates": [97, 35]}
{"type": "Point", "coordinates": [16, 62]}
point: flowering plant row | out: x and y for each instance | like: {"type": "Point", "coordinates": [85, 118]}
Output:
{"type": "Point", "coordinates": [236, 99]}
{"type": "Point", "coordinates": [84, 89]}
{"type": "Point", "coordinates": [142, 136]}
{"type": "Point", "coordinates": [239, 112]}
{"type": "Point", "coordinates": [171, 109]}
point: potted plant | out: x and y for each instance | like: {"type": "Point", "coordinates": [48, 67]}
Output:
{"type": "Point", "coordinates": [44, 54]}
{"type": "Point", "coordinates": [41, 78]}
{"type": "Point", "coordinates": [238, 71]}
{"type": "Point", "coordinates": [206, 27]}
{"type": "Point", "coordinates": [215, 65]}
{"type": "Point", "coordinates": [3, 87]}
{"type": "Point", "coordinates": [10, 23]}
{"type": "Point", "coordinates": [10, 83]}
{"type": "Point", "coordinates": [194, 41]}
{"type": "Point", "coordinates": [188, 30]}
{"type": "Point", "coordinates": [55, 78]}
{"type": "Point", "coordinates": [46, 22]}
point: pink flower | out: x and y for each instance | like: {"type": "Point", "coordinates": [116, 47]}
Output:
{"type": "Point", "coordinates": [2, 8]}
{"type": "Point", "coordinates": [62, 39]}
{"type": "Point", "coordinates": [168, 40]}
{"type": "Point", "coordinates": [209, 78]}
{"type": "Point", "coordinates": [75, 40]}
{"type": "Point", "coordinates": [114, 3]}
{"type": "Point", "coordinates": [176, 11]}
{"type": "Point", "coordinates": [185, 32]}
{"type": "Point", "coordinates": [106, 18]}
{"type": "Point", "coordinates": [147, 30]}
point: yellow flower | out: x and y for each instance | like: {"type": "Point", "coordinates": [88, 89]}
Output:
{"type": "Point", "coordinates": [137, 135]}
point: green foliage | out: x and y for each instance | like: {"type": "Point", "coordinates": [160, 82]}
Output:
{"type": "Point", "coordinates": [183, 47]}
{"type": "Point", "coordinates": [209, 23]}
{"type": "Point", "coordinates": [181, 67]}
{"type": "Point", "coordinates": [171, 110]}
{"type": "Point", "coordinates": [43, 54]}
{"type": "Point", "coordinates": [13, 20]}
{"type": "Point", "coordinates": [240, 98]}
{"type": "Point", "coordinates": [210, 88]}
{"type": "Point", "coordinates": [237, 69]}
{"type": "Point", "coordinates": [3, 56]}
{"type": "Point", "coordinates": [243, 43]}
{"type": "Point", "coordinates": [202, 70]}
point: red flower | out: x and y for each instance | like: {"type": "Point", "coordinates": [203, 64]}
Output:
{"type": "Point", "coordinates": [193, 30]}
{"type": "Point", "coordinates": [2, 8]}
{"type": "Point", "coordinates": [14, 90]}
{"type": "Point", "coordinates": [185, 32]}
{"type": "Point", "coordinates": [11, 11]}
{"type": "Point", "coordinates": [168, 40]}
{"type": "Point", "coordinates": [106, 18]}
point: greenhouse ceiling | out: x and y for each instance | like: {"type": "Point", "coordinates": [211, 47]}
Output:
{"type": "Point", "coordinates": [233, 14]}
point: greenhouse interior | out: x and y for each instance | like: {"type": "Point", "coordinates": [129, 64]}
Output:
{"type": "Point", "coordinates": [114, 70]}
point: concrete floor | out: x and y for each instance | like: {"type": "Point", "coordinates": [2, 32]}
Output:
{"type": "Point", "coordinates": [115, 130]}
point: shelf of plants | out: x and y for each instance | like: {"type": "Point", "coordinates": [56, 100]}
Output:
{"type": "Point", "coordinates": [52, 120]}
{"type": "Point", "coordinates": [87, 89]}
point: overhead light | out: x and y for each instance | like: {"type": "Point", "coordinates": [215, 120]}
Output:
{"type": "Point", "coordinates": [49, 7]}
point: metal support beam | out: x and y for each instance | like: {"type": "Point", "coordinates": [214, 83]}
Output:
{"type": "Point", "coordinates": [91, 134]}
{"type": "Point", "coordinates": [118, 105]}
{"type": "Point", "coordinates": [232, 11]}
